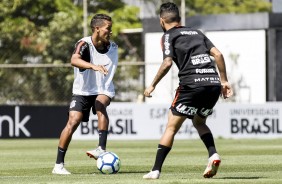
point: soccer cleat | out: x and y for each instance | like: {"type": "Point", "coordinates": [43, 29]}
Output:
{"type": "Point", "coordinates": [212, 167]}
{"type": "Point", "coordinates": [60, 169]}
{"type": "Point", "coordinates": [95, 153]}
{"type": "Point", "coordinates": [152, 175]}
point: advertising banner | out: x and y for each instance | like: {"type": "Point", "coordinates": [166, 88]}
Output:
{"type": "Point", "coordinates": [252, 121]}
{"type": "Point", "coordinates": [131, 121]}
{"type": "Point", "coordinates": [143, 121]}
{"type": "Point", "coordinates": [32, 121]}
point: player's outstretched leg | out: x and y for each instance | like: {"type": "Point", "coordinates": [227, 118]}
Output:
{"type": "Point", "coordinates": [212, 166]}
{"type": "Point", "coordinates": [95, 153]}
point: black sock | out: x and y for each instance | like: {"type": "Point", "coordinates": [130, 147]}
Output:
{"type": "Point", "coordinates": [160, 157]}
{"type": "Point", "coordinates": [61, 155]}
{"type": "Point", "coordinates": [209, 143]}
{"type": "Point", "coordinates": [103, 134]}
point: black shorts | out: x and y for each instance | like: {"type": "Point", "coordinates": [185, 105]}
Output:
{"type": "Point", "coordinates": [83, 104]}
{"type": "Point", "coordinates": [190, 101]}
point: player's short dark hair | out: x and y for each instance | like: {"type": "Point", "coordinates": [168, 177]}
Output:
{"type": "Point", "coordinates": [98, 20]}
{"type": "Point", "coordinates": [169, 12]}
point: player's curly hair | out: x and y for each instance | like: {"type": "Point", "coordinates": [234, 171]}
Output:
{"type": "Point", "coordinates": [98, 20]}
{"type": "Point", "coordinates": [169, 12]}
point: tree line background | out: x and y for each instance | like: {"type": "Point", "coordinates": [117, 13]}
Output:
{"type": "Point", "coordinates": [45, 31]}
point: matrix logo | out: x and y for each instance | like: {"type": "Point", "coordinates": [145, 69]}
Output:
{"type": "Point", "coordinates": [15, 125]}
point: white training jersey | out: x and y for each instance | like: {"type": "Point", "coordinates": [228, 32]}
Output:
{"type": "Point", "coordinates": [89, 82]}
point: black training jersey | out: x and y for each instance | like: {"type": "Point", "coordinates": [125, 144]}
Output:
{"type": "Point", "coordinates": [190, 50]}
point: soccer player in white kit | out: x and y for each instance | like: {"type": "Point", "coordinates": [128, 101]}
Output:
{"type": "Point", "coordinates": [95, 60]}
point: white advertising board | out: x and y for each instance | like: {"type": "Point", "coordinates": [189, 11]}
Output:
{"type": "Point", "coordinates": [131, 121]}
{"type": "Point", "coordinates": [153, 59]}
{"type": "Point", "coordinates": [245, 57]}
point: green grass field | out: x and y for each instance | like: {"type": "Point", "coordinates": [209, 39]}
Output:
{"type": "Point", "coordinates": [243, 161]}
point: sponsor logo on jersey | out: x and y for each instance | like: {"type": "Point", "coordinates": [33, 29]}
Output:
{"type": "Point", "coordinates": [166, 44]}
{"type": "Point", "coordinates": [188, 32]}
{"type": "Point", "coordinates": [207, 79]}
{"type": "Point", "coordinates": [200, 59]}
{"type": "Point", "coordinates": [205, 70]}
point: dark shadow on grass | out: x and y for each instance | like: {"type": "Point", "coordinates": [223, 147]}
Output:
{"type": "Point", "coordinates": [133, 172]}
{"type": "Point", "coordinates": [241, 178]}
{"type": "Point", "coordinates": [120, 172]}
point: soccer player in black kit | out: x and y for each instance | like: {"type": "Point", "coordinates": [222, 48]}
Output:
{"type": "Point", "coordinates": [199, 85]}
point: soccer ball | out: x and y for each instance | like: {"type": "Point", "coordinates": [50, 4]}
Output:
{"type": "Point", "coordinates": [108, 163]}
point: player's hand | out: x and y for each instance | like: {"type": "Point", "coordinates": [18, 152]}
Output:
{"type": "Point", "coordinates": [226, 90]}
{"type": "Point", "coordinates": [148, 91]}
{"type": "Point", "coordinates": [101, 69]}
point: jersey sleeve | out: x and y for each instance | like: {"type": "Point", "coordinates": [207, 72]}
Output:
{"type": "Point", "coordinates": [82, 48]}
{"type": "Point", "coordinates": [208, 43]}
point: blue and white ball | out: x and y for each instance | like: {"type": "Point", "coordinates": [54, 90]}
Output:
{"type": "Point", "coordinates": [108, 163]}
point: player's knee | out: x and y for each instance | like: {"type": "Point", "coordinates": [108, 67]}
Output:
{"type": "Point", "coordinates": [171, 130]}
{"type": "Point", "coordinates": [71, 127]}
{"type": "Point", "coordinates": [100, 106]}
{"type": "Point", "coordinates": [72, 124]}
{"type": "Point", "coordinates": [198, 126]}
{"type": "Point", "coordinates": [102, 114]}
{"type": "Point", "coordinates": [198, 121]}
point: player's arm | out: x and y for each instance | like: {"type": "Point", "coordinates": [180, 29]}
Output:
{"type": "Point", "coordinates": [219, 59]}
{"type": "Point", "coordinates": [81, 59]}
{"type": "Point", "coordinates": [164, 68]}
